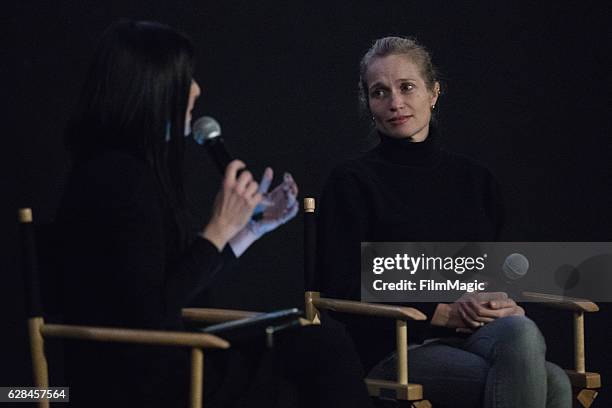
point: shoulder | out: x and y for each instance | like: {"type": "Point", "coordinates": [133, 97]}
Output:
{"type": "Point", "coordinates": [347, 177]}
{"type": "Point", "coordinates": [350, 182]}
{"type": "Point", "coordinates": [355, 168]}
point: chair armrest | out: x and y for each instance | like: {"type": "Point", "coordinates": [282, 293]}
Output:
{"type": "Point", "coordinates": [561, 302]}
{"type": "Point", "coordinates": [121, 335]}
{"type": "Point", "coordinates": [369, 309]}
{"type": "Point", "coordinates": [215, 315]}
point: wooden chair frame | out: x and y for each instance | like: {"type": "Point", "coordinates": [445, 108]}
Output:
{"type": "Point", "coordinates": [39, 331]}
{"type": "Point", "coordinates": [585, 384]}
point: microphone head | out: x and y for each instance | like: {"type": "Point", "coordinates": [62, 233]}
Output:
{"type": "Point", "coordinates": [205, 129]}
{"type": "Point", "coordinates": [515, 266]}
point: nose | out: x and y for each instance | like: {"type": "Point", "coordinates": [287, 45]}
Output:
{"type": "Point", "coordinates": [197, 89]}
{"type": "Point", "coordinates": [396, 101]}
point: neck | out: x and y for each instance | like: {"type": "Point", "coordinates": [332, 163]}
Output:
{"type": "Point", "coordinates": [421, 135]}
{"type": "Point", "coordinates": [420, 150]}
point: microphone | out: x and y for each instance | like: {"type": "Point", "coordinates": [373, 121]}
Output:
{"type": "Point", "coordinates": [206, 131]}
{"type": "Point", "coordinates": [515, 266]}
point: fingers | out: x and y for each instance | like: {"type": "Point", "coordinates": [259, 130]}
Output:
{"type": "Point", "coordinates": [290, 184]}
{"type": "Point", "coordinates": [467, 320]}
{"type": "Point", "coordinates": [474, 314]}
{"type": "Point", "coordinates": [244, 179]}
{"type": "Point", "coordinates": [266, 180]}
{"type": "Point", "coordinates": [254, 200]}
{"type": "Point", "coordinates": [477, 309]}
{"type": "Point", "coordinates": [507, 307]}
{"type": "Point", "coordinates": [501, 304]}
{"type": "Point", "coordinates": [489, 296]}
{"type": "Point", "coordinates": [291, 212]}
{"type": "Point", "coordinates": [231, 170]}
{"type": "Point", "coordinates": [251, 189]}
{"type": "Point", "coordinates": [244, 184]}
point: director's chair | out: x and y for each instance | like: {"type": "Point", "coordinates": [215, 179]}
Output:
{"type": "Point", "coordinates": [39, 330]}
{"type": "Point", "coordinates": [585, 385]}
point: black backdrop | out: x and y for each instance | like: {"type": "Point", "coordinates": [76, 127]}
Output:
{"type": "Point", "coordinates": [525, 93]}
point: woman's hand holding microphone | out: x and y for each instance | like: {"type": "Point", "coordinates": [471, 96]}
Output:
{"type": "Point", "coordinates": [233, 205]}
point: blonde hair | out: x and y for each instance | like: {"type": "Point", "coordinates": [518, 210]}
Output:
{"type": "Point", "coordinates": [396, 46]}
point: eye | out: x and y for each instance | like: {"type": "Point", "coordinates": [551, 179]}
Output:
{"type": "Point", "coordinates": [378, 93]}
{"type": "Point", "coordinates": [406, 87]}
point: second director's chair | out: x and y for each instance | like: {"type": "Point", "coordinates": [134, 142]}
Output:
{"type": "Point", "coordinates": [585, 384]}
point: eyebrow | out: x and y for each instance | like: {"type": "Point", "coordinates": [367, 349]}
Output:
{"type": "Point", "coordinates": [378, 84]}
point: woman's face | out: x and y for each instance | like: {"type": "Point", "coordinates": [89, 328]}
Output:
{"type": "Point", "coordinates": [194, 93]}
{"type": "Point", "coordinates": [398, 97]}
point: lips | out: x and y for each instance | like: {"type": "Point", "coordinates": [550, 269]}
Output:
{"type": "Point", "coordinates": [399, 120]}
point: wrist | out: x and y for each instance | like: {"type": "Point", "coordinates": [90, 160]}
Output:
{"type": "Point", "coordinates": [216, 235]}
{"type": "Point", "coordinates": [242, 240]}
{"type": "Point", "coordinates": [441, 315]}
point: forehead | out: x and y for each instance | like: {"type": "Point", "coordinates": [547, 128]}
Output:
{"type": "Point", "coordinates": [392, 68]}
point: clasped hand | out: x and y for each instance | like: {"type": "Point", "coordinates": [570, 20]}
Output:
{"type": "Point", "coordinates": [473, 310]}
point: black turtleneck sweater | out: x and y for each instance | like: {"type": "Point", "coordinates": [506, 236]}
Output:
{"type": "Point", "coordinates": [399, 191]}
{"type": "Point", "coordinates": [118, 271]}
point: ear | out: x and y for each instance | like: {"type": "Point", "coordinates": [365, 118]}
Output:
{"type": "Point", "coordinates": [435, 93]}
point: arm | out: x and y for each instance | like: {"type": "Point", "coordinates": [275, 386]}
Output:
{"type": "Point", "coordinates": [343, 222]}
{"type": "Point", "coordinates": [152, 274]}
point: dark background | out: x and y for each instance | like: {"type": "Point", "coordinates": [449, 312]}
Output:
{"type": "Point", "coordinates": [525, 93]}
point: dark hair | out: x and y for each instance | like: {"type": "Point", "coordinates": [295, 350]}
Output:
{"type": "Point", "coordinates": [134, 99]}
{"type": "Point", "coordinates": [394, 46]}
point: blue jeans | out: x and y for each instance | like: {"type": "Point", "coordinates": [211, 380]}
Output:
{"type": "Point", "coordinates": [501, 365]}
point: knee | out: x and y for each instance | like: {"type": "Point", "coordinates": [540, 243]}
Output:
{"type": "Point", "coordinates": [559, 387]}
{"type": "Point", "coordinates": [520, 334]}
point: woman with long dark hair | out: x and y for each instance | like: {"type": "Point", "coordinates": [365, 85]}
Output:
{"type": "Point", "coordinates": [130, 255]}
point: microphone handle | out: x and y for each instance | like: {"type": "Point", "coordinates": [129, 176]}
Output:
{"type": "Point", "coordinates": [218, 152]}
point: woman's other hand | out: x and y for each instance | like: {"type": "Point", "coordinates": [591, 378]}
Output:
{"type": "Point", "coordinates": [233, 205]}
{"type": "Point", "coordinates": [277, 207]}
{"type": "Point", "coordinates": [280, 204]}
{"type": "Point", "coordinates": [473, 310]}
{"type": "Point", "coordinates": [477, 309]}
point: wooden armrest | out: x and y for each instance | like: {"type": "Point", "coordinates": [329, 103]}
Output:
{"type": "Point", "coordinates": [369, 309]}
{"type": "Point", "coordinates": [561, 302]}
{"type": "Point", "coordinates": [121, 335]}
{"type": "Point", "coordinates": [215, 315]}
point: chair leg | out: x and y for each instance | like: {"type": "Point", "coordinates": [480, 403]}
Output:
{"type": "Point", "coordinates": [197, 374]}
{"type": "Point", "coordinates": [584, 398]}
{"type": "Point", "coordinates": [40, 370]}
